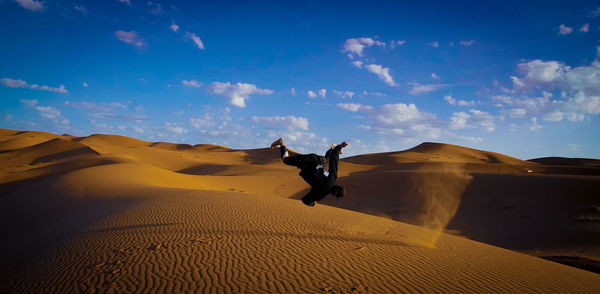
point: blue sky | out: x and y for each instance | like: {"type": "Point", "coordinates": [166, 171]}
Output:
{"type": "Point", "coordinates": [520, 78]}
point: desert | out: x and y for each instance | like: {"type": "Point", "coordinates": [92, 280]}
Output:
{"type": "Point", "coordinates": [112, 214]}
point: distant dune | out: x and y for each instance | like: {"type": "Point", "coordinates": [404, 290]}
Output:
{"type": "Point", "coordinates": [108, 213]}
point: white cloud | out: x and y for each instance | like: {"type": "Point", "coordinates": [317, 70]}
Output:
{"type": "Point", "coordinates": [467, 43]}
{"type": "Point", "coordinates": [466, 103]}
{"type": "Point", "coordinates": [108, 111]}
{"type": "Point", "coordinates": [155, 8]}
{"type": "Point", "coordinates": [85, 85]}
{"type": "Point", "coordinates": [397, 120]}
{"type": "Point", "coordinates": [354, 107]}
{"type": "Point", "coordinates": [191, 83]}
{"type": "Point", "coordinates": [81, 9]}
{"type": "Point", "coordinates": [138, 129]}
{"type": "Point", "coordinates": [434, 76]}
{"type": "Point", "coordinates": [358, 63]}
{"type": "Point", "coordinates": [293, 91]}
{"type": "Point", "coordinates": [357, 45]}
{"type": "Point", "coordinates": [517, 112]}
{"type": "Point", "coordinates": [580, 88]}
{"type": "Point", "coordinates": [383, 73]}
{"type": "Point", "coordinates": [483, 119]}
{"type": "Point", "coordinates": [322, 93]}
{"type": "Point", "coordinates": [202, 122]}
{"type": "Point", "coordinates": [131, 38]}
{"type": "Point", "coordinates": [12, 83]}
{"type": "Point", "coordinates": [312, 94]}
{"type": "Point", "coordinates": [459, 120]}
{"type": "Point", "coordinates": [288, 122]}
{"type": "Point", "coordinates": [196, 40]}
{"type": "Point", "coordinates": [419, 88]}
{"type": "Point", "coordinates": [32, 5]}
{"type": "Point", "coordinates": [450, 99]}
{"type": "Point", "coordinates": [534, 125]}
{"type": "Point", "coordinates": [554, 116]}
{"type": "Point", "coordinates": [238, 92]}
{"type": "Point", "coordinates": [595, 12]}
{"type": "Point", "coordinates": [564, 30]}
{"type": "Point", "coordinates": [393, 44]}
{"type": "Point", "coordinates": [128, 2]}
{"type": "Point", "coordinates": [435, 44]}
{"type": "Point", "coordinates": [174, 27]}
{"type": "Point", "coordinates": [585, 28]}
{"type": "Point", "coordinates": [345, 94]}
{"type": "Point", "coordinates": [48, 112]}
{"type": "Point", "coordinates": [540, 73]}
{"type": "Point", "coordinates": [173, 128]}
{"type": "Point", "coordinates": [598, 50]}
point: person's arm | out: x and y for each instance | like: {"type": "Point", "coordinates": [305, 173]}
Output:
{"type": "Point", "coordinates": [334, 158]}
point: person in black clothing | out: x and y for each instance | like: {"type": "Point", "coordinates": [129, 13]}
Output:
{"type": "Point", "coordinates": [312, 170]}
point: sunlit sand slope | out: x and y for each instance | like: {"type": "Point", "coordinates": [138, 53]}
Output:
{"type": "Point", "coordinates": [187, 241]}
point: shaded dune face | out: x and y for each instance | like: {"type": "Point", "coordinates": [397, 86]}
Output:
{"type": "Point", "coordinates": [108, 213]}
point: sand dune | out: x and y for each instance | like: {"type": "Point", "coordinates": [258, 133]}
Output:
{"type": "Point", "coordinates": [108, 213]}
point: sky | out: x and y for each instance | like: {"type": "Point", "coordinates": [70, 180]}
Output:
{"type": "Point", "coordinates": [519, 77]}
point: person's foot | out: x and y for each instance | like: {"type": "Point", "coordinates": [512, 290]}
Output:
{"type": "Point", "coordinates": [278, 142]}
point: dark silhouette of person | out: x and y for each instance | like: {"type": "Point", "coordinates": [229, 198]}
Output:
{"type": "Point", "coordinates": [312, 170]}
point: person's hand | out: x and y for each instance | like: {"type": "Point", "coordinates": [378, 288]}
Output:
{"type": "Point", "coordinates": [344, 144]}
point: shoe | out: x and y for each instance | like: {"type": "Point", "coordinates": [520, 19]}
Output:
{"type": "Point", "coordinates": [278, 142]}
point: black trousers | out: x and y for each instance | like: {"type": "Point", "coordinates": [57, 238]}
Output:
{"type": "Point", "coordinates": [312, 160]}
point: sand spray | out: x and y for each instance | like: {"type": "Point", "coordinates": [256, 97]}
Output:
{"type": "Point", "coordinates": [441, 191]}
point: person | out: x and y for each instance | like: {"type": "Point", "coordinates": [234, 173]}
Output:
{"type": "Point", "coordinates": [312, 170]}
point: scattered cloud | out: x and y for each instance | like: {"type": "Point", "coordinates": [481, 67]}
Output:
{"type": "Point", "coordinates": [467, 43]}
{"type": "Point", "coordinates": [109, 111]}
{"type": "Point", "coordinates": [358, 63]}
{"type": "Point", "coordinates": [12, 83]}
{"type": "Point", "coordinates": [393, 44]}
{"type": "Point", "coordinates": [312, 94]}
{"type": "Point", "coordinates": [155, 8]}
{"type": "Point", "coordinates": [85, 85]}
{"type": "Point", "coordinates": [397, 121]}
{"type": "Point", "coordinates": [237, 93]}
{"type": "Point", "coordinates": [32, 5]}
{"type": "Point", "coordinates": [435, 44]}
{"type": "Point", "coordinates": [383, 73]}
{"type": "Point", "coordinates": [293, 91]}
{"type": "Point", "coordinates": [434, 76]}
{"type": "Point", "coordinates": [483, 120]}
{"type": "Point", "coordinates": [420, 89]}
{"type": "Point", "coordinates": [534, 125]}
{"type": "Point", "coordinates": [344, 94]}
{"type": "Point", "coordinates": [459, 120]}
{"type": "Point", "coordinates": [564, 30]}
{"type": "Point", "coordinates": [174, 27]}
{"type": "Point", "coordinates": [288, 122]}
{"type": "Point", "coordinates": [585, 28]}
{"type": "Point", "coordinates": [452, 101]}
{"type": "Point", "coordinates": [191, 83]}
{"type": "Point", "coordinates": [595, 12]}
{"type": "Point", "coordinates": [196, 40]}
{"type": "Point", "coordinates": [173, 128]}
{"type": "Point", "coordinates": [131, 38]}
{"type": "Point", "coordinates": [357, 45]}
{"type": "Point", "coordinates": [128, 2]}
{"type": "Point", "coordinates": [322, 93]}
{"type": "Point", "coordinates": [598, 50]}
{"type": "Point", "coordinates": [47, 112]}
{"type": "Point", "coordinates": [81, 9]}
